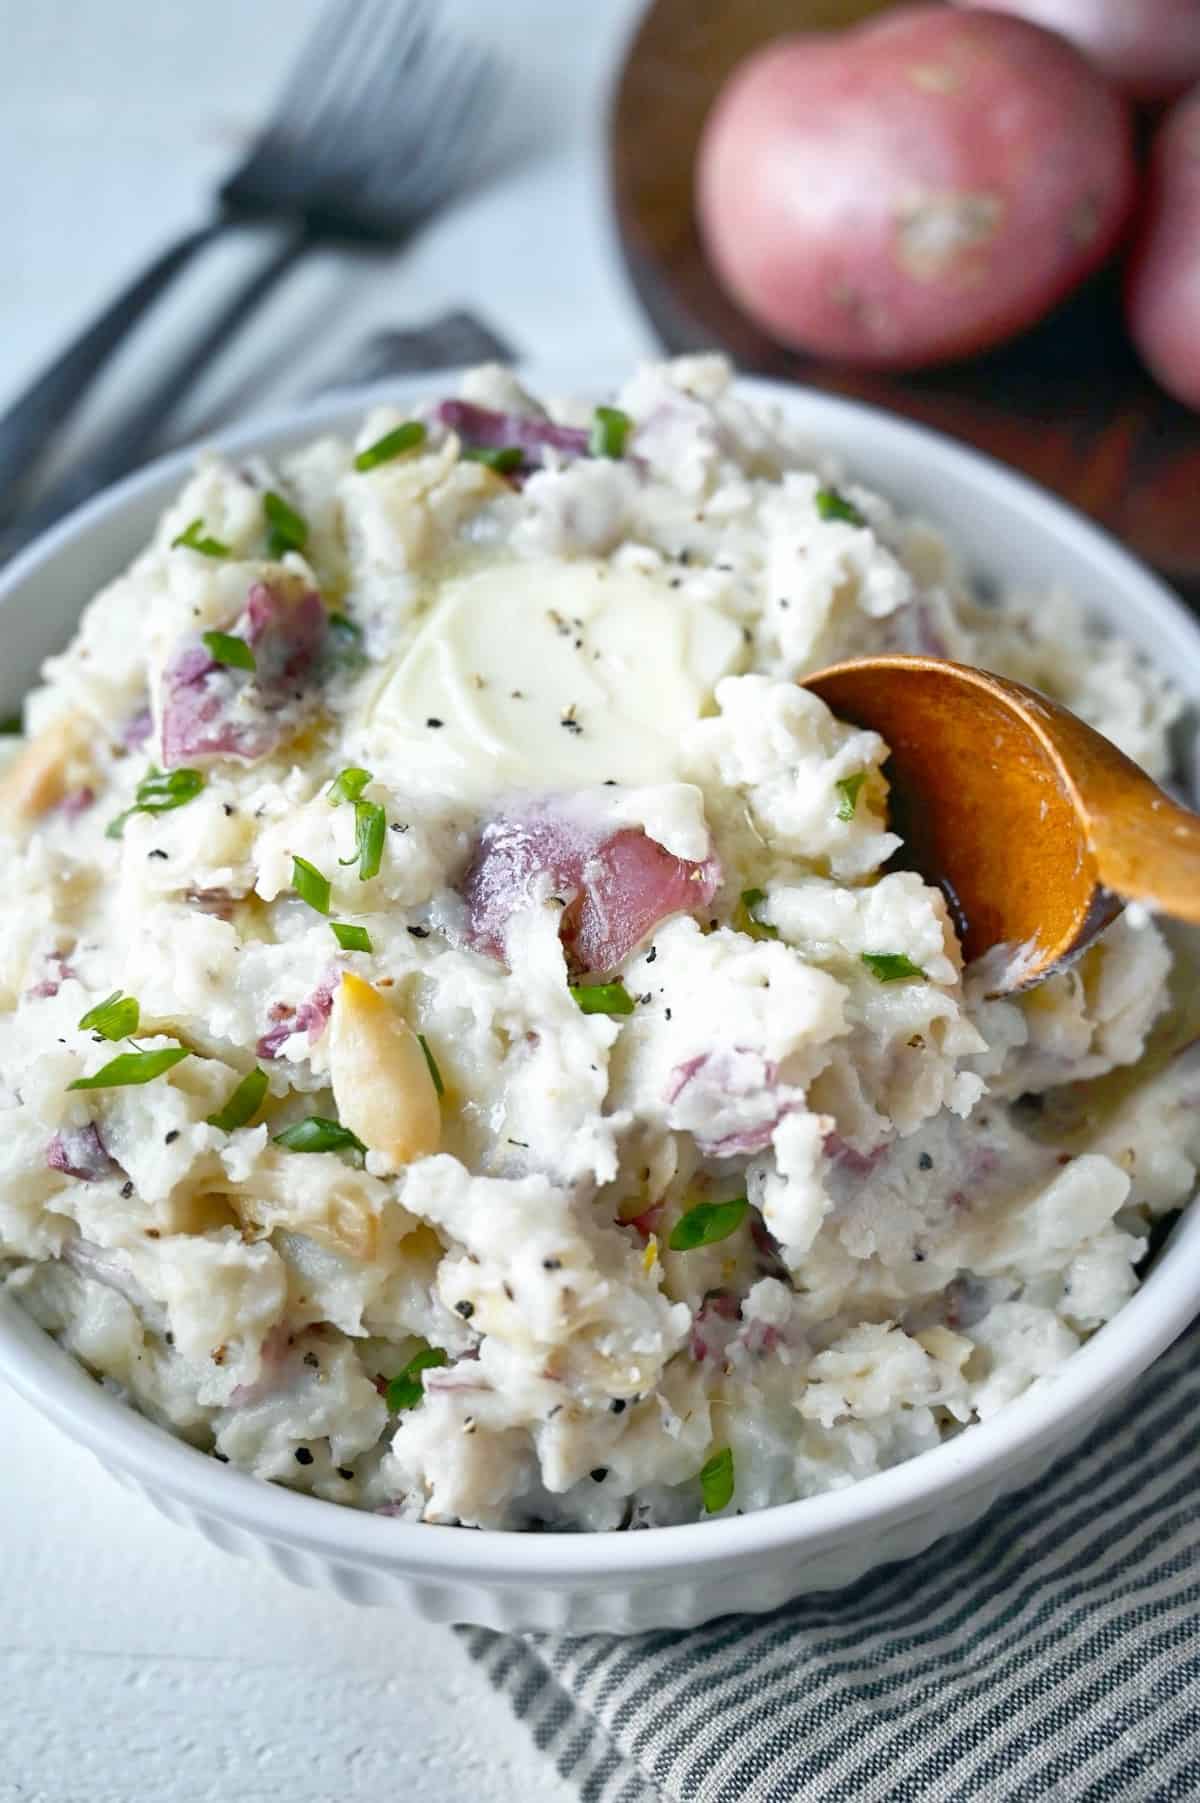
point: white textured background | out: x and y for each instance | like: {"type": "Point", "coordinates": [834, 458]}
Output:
{"type": "Point", "coordinates": [135, 1662]}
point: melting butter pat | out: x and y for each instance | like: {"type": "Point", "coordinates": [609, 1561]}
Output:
{"type": "Point", "coordinates": [528, 675]}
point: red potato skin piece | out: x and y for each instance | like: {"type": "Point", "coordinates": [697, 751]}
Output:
{"type": "Point", "coordinates": [1150, 49]}
{"type": "Point", "coordinates": [916, 189]}
{"type": "Point", "coordinates": [1162, 295]}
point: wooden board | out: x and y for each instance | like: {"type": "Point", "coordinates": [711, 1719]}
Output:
{"type": "Point", "coordinates": [1067, 403]}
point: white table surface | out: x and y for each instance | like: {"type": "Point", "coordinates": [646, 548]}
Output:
{"type": "Point", "coordinates": [136, 1662]}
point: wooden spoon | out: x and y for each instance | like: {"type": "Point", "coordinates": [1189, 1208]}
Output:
{"type": "Point", "coordinates": [1034, 825]}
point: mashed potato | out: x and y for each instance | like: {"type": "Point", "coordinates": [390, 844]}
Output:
{"type": "Point", "coordinates": [464, 1051]}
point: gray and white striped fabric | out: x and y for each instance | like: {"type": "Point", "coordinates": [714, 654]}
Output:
{"type": "Point", "coordinates": [1051, 1651]}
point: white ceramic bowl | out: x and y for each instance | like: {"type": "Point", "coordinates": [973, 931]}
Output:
{"type": "Point", "coordinates": [674, 1576]}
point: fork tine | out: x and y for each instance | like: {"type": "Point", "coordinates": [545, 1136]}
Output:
{"type": "Point", "coordinates": [450, 70]}
{"type": "Point", "coordinates": [315, 59]}
{"type": "Point", "coordinates": [343, 52]}
{"type": "Point", "coordinates": [378, 120]}
{"type": "Point", "coordinates": [397, 39]}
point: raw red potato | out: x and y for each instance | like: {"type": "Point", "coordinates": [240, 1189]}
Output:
{"type": "Point", "coordinates": [617, 886]}
{"type": "Point", "coordinates": [913, 190]}
{"type": "Point", "coordinates": [1148, 48]}
{"type": "Point", "coordinates": [1163, 293]}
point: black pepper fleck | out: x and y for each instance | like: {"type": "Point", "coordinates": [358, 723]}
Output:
{"type": "Point", "coordinates": [345, 1472]}
{"type": "Point", "coordinates": [598, 1476]}
{"type": "Point", "coordinates": [617, 1405]}
{"type": "Point", "coordinates": [170, 1138]}
{"type": "Point", "coordinates": [312, 1361]}
{"type": "Point", "coordinates": [667, 1013]}
{"type": "Point", "coordinates": [419, 932]}
{"type": "Point", "coordinates": [925, 1162]}
{"type": "Point", "coordinates": [465, 1309]}
{"type": "Point", "coordinates": [156, 853]}
{"type": "Point", "coordinates": [303, 1456]}
{"type": "Point", "coordinates": [508, 1291]}
{"type": "Point", "coordinates": [434, 721]}
{"type": "Point", "coordinates": [652, 954]}
{"type": "Point", "coordinates": [222, 1458]}
{"type": "Point", "coordinates": [552, 1264]}
{"type": "Point", "coordinates": [127, 1190]}
{"type": "Point", "coordinates": [227, 809]}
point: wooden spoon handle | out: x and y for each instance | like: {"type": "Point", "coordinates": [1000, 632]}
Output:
{"type": "Point", "coordinates": [1147, 849]}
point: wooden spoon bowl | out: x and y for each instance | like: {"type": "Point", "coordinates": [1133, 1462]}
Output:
{"type": "Point", "coordinates": [1034, 825]}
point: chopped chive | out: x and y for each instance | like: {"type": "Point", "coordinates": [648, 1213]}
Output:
{"type": "Point", "coordinates": [350, 937]}
{"type": "Point", "coordinates": [287, 529]}
{"type": "Point", "coordinates": [227, 648]}
{"type": "Point", "coordinates": [602, 998]}
{"type": "Point", "coordinates": [431, 1061]}
{"type": "Point", "coordinates": [833, 505]}
{"type": "Point", "coordinates": [132, 1067]}
{"type": "Point", "coordinates": [344, 641]}
{"type": "Point", "coordinates": [707, 1223]}
{"type": "Point", "coordinates": [115, 1018]}
{"type": "Point", "coordinates": [848, 788]}
{"type": "Point", "coordinates": [610, 429]}
{"type": "Point", "coordinates": [717, 1481]}
{"type": "Point", "coordinates": [194, 538]}
{"type": "Point", "coordinates": [12, 727]}
{"type": "Point", "coordinates": [317, 1135]}
{"type": "Point", "coordinates": [504, 459]}
{"type": "Point", "coordinates": [348, 785]}
{"type": "Point", "coordinates": [310, 885]}
{"type": "Point", "coordinates": [745, 915]}
{"type": "Point", "coordinates": [243, 1104]}
{"type": "Point", "coordinates": [406, 1390]}
{"type": "Point", "coordinates": [370, 830]}
{"type": "Point", "coordinates": [158, 794]}
{"type": "Point", "coordinates": [393, 444]}
{"type": "Point", "coordinates": [890, 967]}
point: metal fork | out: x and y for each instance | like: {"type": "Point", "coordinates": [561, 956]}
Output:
{"type": "Point", "coordinates": [379, 121]}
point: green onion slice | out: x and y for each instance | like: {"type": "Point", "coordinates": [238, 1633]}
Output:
{"type": "Point", "coordinates": [287, 529]}
{"type": "Point", "coordinates": [707, 1223]}
{"type": "Point", "coordinates": [431, 1061]}
{"type": "Point", "coordinates": [833, 505]}
{"type": "Point", "coordinates": [194, 538]}
{"type": "Point", "coordinates": [745, 915]}
{"type": "Point", "coordinates": [12, 727]}
{"type": "Point", "coordinates": [370, 829]}
{"type": "Point", "coordinates": [610, 429]}
{"type": "Point", "coordinates": [158, 794]}
{"type": "Point", "coordinates": [348, 785]}
{"type": "Point", "coordinates": [406, 1390]}
{"type": "Point", "coordinates": [717, 1480]}
{"type": "Point", "coordinates": [848, 788]}
{"type": "Point", "coordinates": [602, 998]}
{"type": "Point", "coordinates": [310, 885]}
{"type": "Point", "coordinates": [227, 648]}
{"type": "Point", "coordinates": [132, 1067]}
{"type": "Point", "coordinates": [115, 1018]}
{"type": "Point", "coordinates": [504, 459]}
{"type": "Point", "coordinates": [243, 1104]}
{"type": "Point", "coordinates": [890, 967]}
{"type": "Point", "coordinates": [350, 937]}
{"type": "Point", "coordinates": [314, 1134]}
{"type": "Point", "coordinates": [393, 444]}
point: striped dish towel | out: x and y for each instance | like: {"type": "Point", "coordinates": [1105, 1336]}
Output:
{"type": "Point", "coordinates": [1050, 1651]}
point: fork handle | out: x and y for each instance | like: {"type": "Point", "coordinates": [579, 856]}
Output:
{"type": "Point", "coordinates": [127, 445]}
{"type": "Point", "coordinates": [27, 426]}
